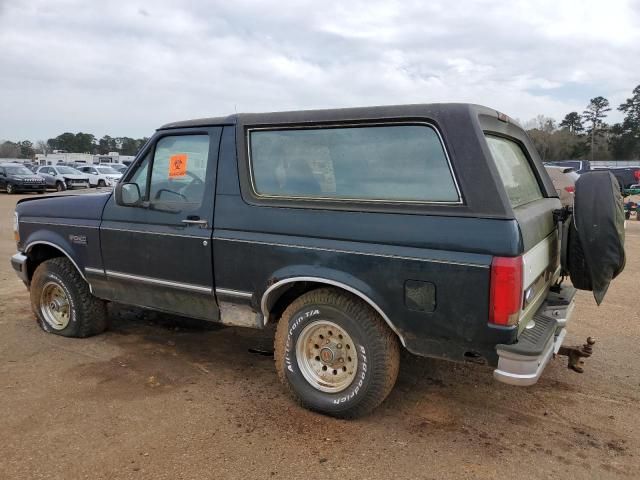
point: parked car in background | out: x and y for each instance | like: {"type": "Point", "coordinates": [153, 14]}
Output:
{"type": "Point", "coordinates": [18, 178]}
{"type": "Point", "coordinates": [101, 175]}
{"type": "Point", "coordinates": [564, 180]}
{"type": "Point", "coordinates": [579, 166]}
{"type": "Point", "coordinates": [63, 177]}
{"type": "Point", "coordinates": [119, 167]}
{"type": "Point", "coordinates": [626, 176]}
{"type": "Point", "coordinates": [29, 165]}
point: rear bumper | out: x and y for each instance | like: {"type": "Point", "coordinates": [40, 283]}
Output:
{"type": "Point", "coordinates": [19, 264]}
{"type": "Point", "coordinates": [523, 362]}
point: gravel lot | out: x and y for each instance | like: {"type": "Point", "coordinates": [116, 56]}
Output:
{"type": "Point", "coordinates": [157, 397]}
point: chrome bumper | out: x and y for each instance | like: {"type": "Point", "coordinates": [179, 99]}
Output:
{"type": "Point", "coordinates": [19, 264]}
{"type": "Point", "coordinates": [523, 371]}
{"type": "Point", "coordinates": [521, 368]}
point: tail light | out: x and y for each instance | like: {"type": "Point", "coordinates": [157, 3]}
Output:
{"type": "Point", "coordinates": [570, 189]}
{"type": "Point", "coordinates": [637, 175]}
{"type": "Point", "coordinates": [506, 290]}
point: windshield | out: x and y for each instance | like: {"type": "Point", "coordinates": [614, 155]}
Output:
{"type": "Point", "coordinates": [107, 170]}
{"type": "Point", "coordinates": [69, 170]}
{"type": "Point", "coordinates": [18, 170]}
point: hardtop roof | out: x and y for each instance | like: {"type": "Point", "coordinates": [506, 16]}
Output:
{"type": "Point", "coordinates": [429, 110]}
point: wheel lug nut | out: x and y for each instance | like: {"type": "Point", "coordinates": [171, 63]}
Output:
{"type": "Point", "coordinates": [339, 345]}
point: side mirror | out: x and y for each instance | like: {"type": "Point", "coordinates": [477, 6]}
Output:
{"type": "Point", "coordinates": [128, 194]}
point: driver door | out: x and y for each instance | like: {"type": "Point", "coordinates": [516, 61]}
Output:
{"type": "Point", "coordinates": [158, 253]}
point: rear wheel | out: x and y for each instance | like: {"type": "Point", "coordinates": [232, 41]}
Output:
{"type": "Point", "coordinates": [62, 302]}
{"type": "Point", "coordinates": [10, 188]}
{"type": "Point", "coordinates": [335, 354]}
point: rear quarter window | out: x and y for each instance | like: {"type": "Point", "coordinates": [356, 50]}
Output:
{"type": "Point", "coordinates": [515, 171]}
{"type": "Point", "coordinates": [393, 163]}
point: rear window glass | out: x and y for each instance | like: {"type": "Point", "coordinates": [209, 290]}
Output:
{"type": "Point", "coordinates": [387, 163]}
{"type": "Point", "coordinates": [514, 170]}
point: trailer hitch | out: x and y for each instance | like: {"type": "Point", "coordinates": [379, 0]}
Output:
{"type": "Point", "coordinates": [577, 355]}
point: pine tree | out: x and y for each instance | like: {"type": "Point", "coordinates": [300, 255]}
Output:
{"type": "Point", "coordinates": [572, 122]}
{"type": "Point", "coordinates": [594, 114]}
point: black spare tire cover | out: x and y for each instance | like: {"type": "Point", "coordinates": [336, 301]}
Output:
{"type": "Point", "coordinates": [596, 237]}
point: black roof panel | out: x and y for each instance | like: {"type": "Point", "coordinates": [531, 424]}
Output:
{"type": "Point", "coordinates": [339, 114]}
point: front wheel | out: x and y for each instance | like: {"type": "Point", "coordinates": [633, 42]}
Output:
{"type": "Point", "coordinates": [102, 183]}
{"type": "Point", "coordinates": [335, 354]}
{"type": "Point", "coordinates": [62, 302]}
{"type": "Point", "coordinates": [60, 186]}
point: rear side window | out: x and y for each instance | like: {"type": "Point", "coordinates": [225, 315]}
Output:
{"type": "Point", "coordinates": [515, 171]}
{"type": "Point", "coordinates": [383, 163]}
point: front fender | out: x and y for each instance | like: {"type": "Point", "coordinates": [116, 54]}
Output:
{"type": "Point", "coordinates": [59, 242]}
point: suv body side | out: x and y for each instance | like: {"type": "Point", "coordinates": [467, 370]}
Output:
{"type": "Point", "coordinates": [253, 254]}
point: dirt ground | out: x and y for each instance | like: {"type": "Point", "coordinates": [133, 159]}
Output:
{"type": "Point", "coordinates": [162, 398]}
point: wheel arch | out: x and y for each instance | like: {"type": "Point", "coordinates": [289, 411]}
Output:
{"type": "Point", "coordinates": [276, 292]}
{"type": "Point", "coordinates": [39, 251]}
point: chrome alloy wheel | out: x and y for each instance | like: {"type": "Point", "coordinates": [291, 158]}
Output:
{"type": "Point", "coordinates": [326, 356]}
{"type": "Point", "coordinates": [55, 306]}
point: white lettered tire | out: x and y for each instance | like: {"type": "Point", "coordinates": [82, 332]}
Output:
{"type": "Point", "coordinates": [335, 354]}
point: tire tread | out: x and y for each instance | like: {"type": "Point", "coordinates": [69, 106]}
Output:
{"type": "Point", "coordinates": [91, 314]}
{"type": "Point", "coordinates": [385, 353]}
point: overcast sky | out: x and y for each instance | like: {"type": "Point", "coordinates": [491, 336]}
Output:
{"type": "Point", "coordinates": [125, 67]}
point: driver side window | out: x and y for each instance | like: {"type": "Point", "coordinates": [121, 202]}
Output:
{"type": "Point", "coordinates": [178, 172]}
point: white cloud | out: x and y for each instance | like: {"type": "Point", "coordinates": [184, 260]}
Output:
{"type": "Point", "coordinates": [124, 67]}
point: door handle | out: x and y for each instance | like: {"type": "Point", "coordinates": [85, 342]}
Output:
{"type": "Point", "coordinates": [194, 221]}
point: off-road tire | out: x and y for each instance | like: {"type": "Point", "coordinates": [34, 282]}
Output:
{"type": "Point", "coordinates": [88, 314]}
{"type": "Point", "coordinates": [377, 347]}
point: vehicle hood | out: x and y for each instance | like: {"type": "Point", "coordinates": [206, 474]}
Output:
{"type": "Point", "coordinates": [66, 205]}
{"type": "Point", "coordinates": [26, 177]}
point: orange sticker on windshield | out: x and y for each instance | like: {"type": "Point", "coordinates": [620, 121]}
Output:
{"type": "Point", "coordinates": [178, 165]}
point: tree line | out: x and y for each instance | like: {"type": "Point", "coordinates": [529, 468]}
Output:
{"type": "Point", "coordinates": [586, 135]}
{"type": "Point", "coordinates": [73, 142]}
